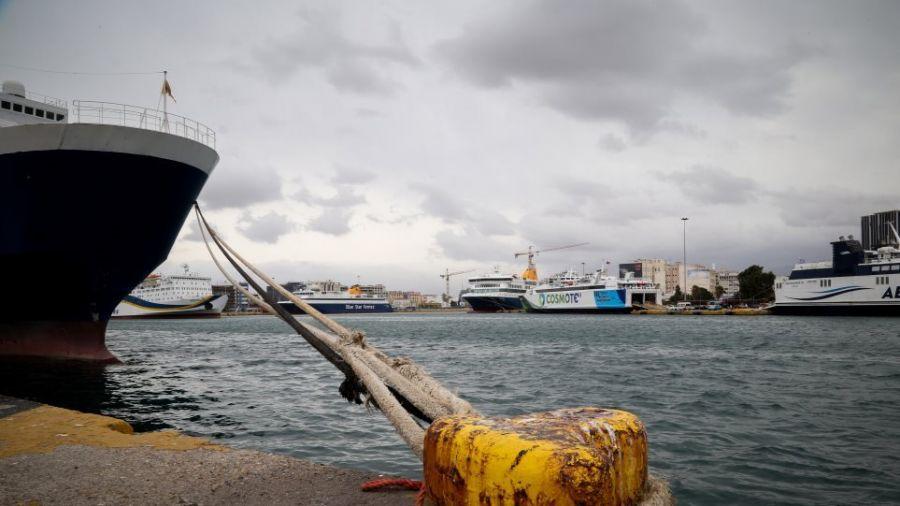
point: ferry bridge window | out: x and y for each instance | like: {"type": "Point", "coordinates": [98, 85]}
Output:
{"type": "Point", "coordinates": [4, 104]}
{"type": "Point", "coordinates": [29, 110]}
{"type": "Point", "coordinates": [39, 113]}
{"type": "Point", "coordinates": [60, 117]}
{"type": "Point", "coordinates": [17, 107]}
{"type": "Point", "coordinates": [895, 267]}
{"type": "Point", "coordinates": [876, 269]}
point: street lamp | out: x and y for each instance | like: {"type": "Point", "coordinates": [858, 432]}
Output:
{"type": "Point", "coordinates": [684, 255]}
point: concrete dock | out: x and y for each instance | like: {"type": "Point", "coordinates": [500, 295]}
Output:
{"type": "Point", "coordinates": [51, 455]}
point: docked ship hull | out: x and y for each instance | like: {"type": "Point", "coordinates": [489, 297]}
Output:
{"type": "Point", "coordinates": [86, 213]}
{"type": "Point", "coordinates": [578, 301]}
{"type": "Point", "coordinates": [837, 310]}
{"type": "Point", "coordinates": [133, 307]}
{"type": "Point", "coordinates": [341, 307]}
{"type": "Point", "coordinates": [488, 304]}
{"type": "Point", "coordinates": [844, 296]}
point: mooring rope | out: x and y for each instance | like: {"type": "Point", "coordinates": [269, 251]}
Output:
{"type": "Point", "coordinates": [400, 388]}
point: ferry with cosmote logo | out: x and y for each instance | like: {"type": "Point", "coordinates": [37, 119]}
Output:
{"type": "Point", "coordinates": [597, 292]}
{"type": "Point", "coordinates": [186, 295]}
{"type": "Point", "coordinates": [855, 282]}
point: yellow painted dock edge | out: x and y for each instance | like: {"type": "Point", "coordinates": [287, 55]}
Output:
{"type": "Point", "coordinates": [564, 457]}
{"type": "Point", "coordinates": [43, 428]}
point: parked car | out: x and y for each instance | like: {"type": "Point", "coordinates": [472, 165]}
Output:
{"type": "Point", "coordinates": [684, 306]}
{"type": "Point", "coordinates": [713, 306]}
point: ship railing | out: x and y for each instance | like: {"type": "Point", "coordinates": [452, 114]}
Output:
{"type": "Point", "coordinates": [108, 113]}
{"type": "Point", "coordinates": [46, 99]}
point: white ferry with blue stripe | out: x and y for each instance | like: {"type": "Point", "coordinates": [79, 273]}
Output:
{"type": "Point", "coordinates": [327, 300]}
{"type": "Point", "coordinates": [185, 295]}
{"type": "Point", "coordinates": [496, 292]}
{"type": "Point", "coordinates": [855, 282]}
{"type": "Point", "coordinates": [597, 292]}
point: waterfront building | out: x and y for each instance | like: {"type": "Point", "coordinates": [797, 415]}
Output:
{"type": "Point", "coordinates": [673, 278]}
{"type": "Point", "coordinates": [728, 280]}
{"type": "Point", "coordinates": [697, 275]}
{"type": "Point", "coordinates": [290, 286]}
{"type": "Point", "coordinates": [700, 276]}
{"type": "Point", "coordinates": [653, 270]}
{"type": "Point", "coordinates": [409, 299]}
{"type": "Point", "coordinates": [229, 291]}
{"type": "Point", "coordinates": [875, 231]}
{"type": "Point", "coordinates": [237, 301]}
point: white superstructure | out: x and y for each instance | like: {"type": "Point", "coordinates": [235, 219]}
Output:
{"type": "Point", "coordinates": [855, 282]}
{"type": "Point", "coordinates": [186, 294]}
{"type": "Point", "coordinates": [495, 291]}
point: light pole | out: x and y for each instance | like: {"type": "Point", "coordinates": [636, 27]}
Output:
{"type": "Point", "coordinates": [684, 256]}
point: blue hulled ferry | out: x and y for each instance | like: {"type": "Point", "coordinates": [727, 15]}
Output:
{"type": "Point", "coordinates": [330, 298]}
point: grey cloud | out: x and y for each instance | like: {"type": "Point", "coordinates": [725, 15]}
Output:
{"type": "Point", "coordinates": [681, 128]}
{"type": "Point", "coordinates": [193, 230]}
{"type": "Point", "coordinates": [240, 187]}
{"type": "Point", "coordinates": [266, 228]}
{"type": "Point", "coordinates": [345, 197]}
{"type": "Point", "coordinates": [352, 175]}
{"type": "Point", "coordinates": [612, 142]}
{"type": "Point", "coordinates": [471, 244]}
{"type": "Point", "coordinates": [439, 203]}
{"type": "Point", "coordinates": [365, 112]}
{"type": "Point", "coordinates": [712, 185]}
{"type": "Point", "coordinates": [332, 221]}
{"type": "Point", "coordinates": [320, 43]}
{"type": "Point", "coordinates": [490, 222]}
{"type": "Point", "coordinates": [618, 60]}
{"type": "Point", "coordinates": [830, 207]}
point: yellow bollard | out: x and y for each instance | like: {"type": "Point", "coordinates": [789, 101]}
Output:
{"type": "Point", "coordinates": [568, 456]}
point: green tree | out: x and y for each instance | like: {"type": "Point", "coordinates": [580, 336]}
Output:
{"type": "Point", "coordinates": [719, 291]}
{"type": "Point", "coordinates": [677, 297]}
{"type": "Point", "coordinates": [700, 294]}
{"type": "Point", "coordinates": [757, 284]}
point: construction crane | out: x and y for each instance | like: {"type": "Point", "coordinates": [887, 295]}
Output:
{"type": "Point", "coordinates": [530, 273]}
{"type": "Point", "coordinates": [447, 275]}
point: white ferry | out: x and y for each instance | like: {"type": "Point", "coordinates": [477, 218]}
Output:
{"type": "Point", "coordinates": [597, 292]}
{"type": "Point", "coordinates": [185, 295]}
{"type": "Point", "coordinates": [855, 282]}
{"type": "Point", "coordinates": [330, 298]}
{"type": "Point", "coordinates": [495, 291]}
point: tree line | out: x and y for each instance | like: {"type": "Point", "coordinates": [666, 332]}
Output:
{"type": "Point", "coordinates": [755, 284]}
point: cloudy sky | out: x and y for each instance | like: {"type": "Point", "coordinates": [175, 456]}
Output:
{"type": "Point", "coordinates": [391, 140]}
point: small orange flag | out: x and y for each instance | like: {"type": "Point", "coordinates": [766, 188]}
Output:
{"type": "Point", "coordinates": [167, 90]}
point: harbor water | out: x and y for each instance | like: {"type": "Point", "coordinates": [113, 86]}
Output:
{"type": "Point", "coordinates": [739, 410]}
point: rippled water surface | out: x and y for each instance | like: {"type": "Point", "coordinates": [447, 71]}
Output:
{"type": "Point", "coordinates": [740, 410]}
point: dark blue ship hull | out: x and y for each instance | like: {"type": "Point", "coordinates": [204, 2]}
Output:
{"type": "Point", "coordinates": [493, 304]}
{"type": "Point", "coordinates": [342, 308]}
{"type": "Point", "coordinates": [78, 231]}
{"type": "Point", "coordinates": [837, 310]}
